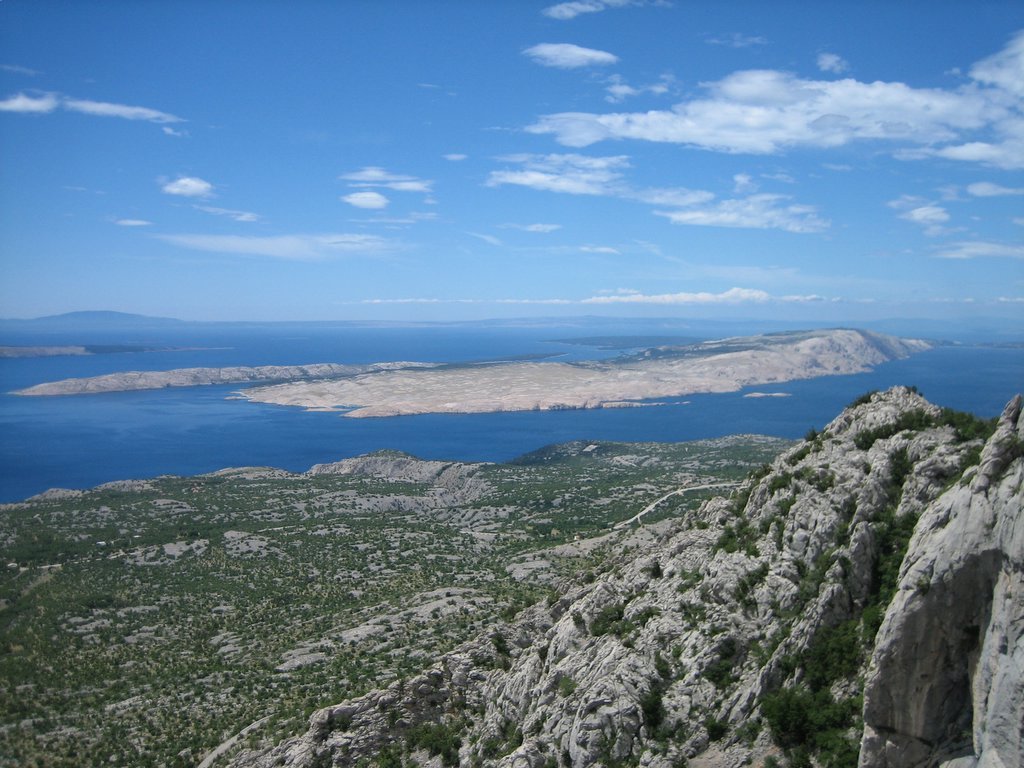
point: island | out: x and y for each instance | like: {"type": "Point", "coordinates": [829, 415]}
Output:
{"type": "Point", "coordinates": [129, 381]}
{"type": "Point", "coordinates": [663, 372]}
{"type": "Point", "coordinates": [406, 388]}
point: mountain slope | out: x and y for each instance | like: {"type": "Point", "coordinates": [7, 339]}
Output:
{"type": "Point", "coordinates": [858, 600]}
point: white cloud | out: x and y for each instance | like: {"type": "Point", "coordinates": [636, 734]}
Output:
{"type": "Point", "coordinates": [174, 132]}
{"type": "Point", "coordinates": [618, 90]}
{"type": "Point", "coordinates": [979, 249]}
{"type": "Point", "coordinates": [931, 217]}
{"type": "Point", "coordinates": [603, 249]}
{"type": "Point", "coordinates": [25, 104]}
{"type": "Point", "coordinates": [1008, 155]}
{"type": "Point", "coordinates": [584, 175]}
{"type": "Point", "coordinates": [455, 156]}
{"type": "Point", "coordinates": [568, 56]}
{"type": "Point", "coordinates": [188, 186]}
{"type": "Point", "coordinates": [743, 183]}
{"type": "Point", "coordinates": [16, 69]}
{"type": "Point", "coordinates": [569, 173]}
{"type": "Point", "coordinates": [762, 211]}
{"type": "Point", "coordinates": [764, 111]}
{"type": "Point", "coordinates": [371, 200]}
{"type": "Point", "coordinates": [1005, 69]}
{"type": "Point", "coordinates": [988, 189]}
{"type": "Point", "coordinates": [768, 111]}
{"type": "Point", "coordinates": [731, 296]}
{"type": "Point", "coordinates": [542, 228]}
{"type": "Point", "coordinates": [242, 216]}
{"type": "Point", "coordinates": [45, 103]}
{"type": "Point", "coordinates": [489, 239]}
{"type": "Point", "coordinates": [737, 40]}
{"type": "Point", "coordinates": [133, 223]}
{"type": "Point", "coordinates": [570, 10]}
{"type": "Point", "coordinates": [287, 247]}
{"type": "Point", "coordinates": [674, 196]}
{"type": "Point", "coordinates": [376, 177]}
{"type": "Point", "coordinates": [107, 109]}
{"type": "Point", "coordinates": [830, 62]}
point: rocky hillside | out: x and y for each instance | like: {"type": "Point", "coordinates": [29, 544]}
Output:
{"type": "Point", "coordinates": [858, 602]}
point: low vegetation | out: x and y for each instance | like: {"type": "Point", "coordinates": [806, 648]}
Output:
{"type": "Point", "coordinates": [144, 623]}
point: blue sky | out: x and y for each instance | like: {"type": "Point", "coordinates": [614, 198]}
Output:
{"type": "Point", "coordinates": [457, 160]}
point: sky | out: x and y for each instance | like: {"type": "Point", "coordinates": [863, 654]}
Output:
{"type": "Point", "coordinates": [429, 160]}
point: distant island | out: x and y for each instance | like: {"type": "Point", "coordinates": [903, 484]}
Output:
{"type": "Point", "coordinates": [76, 350]}
{"type": "Point", "coordinates": [403, 388]}
{"type": "Point", "coordinates": [130, 381]}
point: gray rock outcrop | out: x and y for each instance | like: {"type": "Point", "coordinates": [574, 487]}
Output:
{"type": "Point", "coordinates": [947, 676]}
{"type": "Point", "coordinates": [748, 630]}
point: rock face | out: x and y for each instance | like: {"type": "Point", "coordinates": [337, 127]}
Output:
{"type": "Point", "coordinates": [857, 602]}
{"type": "Point", "coordinates": [946, 677]}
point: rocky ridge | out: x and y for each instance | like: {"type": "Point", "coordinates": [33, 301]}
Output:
{"type": "Point", "coordinates": [858, 602]}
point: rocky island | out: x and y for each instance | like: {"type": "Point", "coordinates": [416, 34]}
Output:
{"type": "Point", "coordinates": [129, 381]}
{"type": "Point", "coordinates": [406, 388]}
{"type": "Point", "coordinates": [714, 366]}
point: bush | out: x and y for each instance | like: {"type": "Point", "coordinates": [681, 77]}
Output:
{"type": "Point", "coordinates": [438, 739]}
{"type": "Point", "coordinates": [716, 728]}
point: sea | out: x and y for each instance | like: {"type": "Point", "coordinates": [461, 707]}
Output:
{"type": "Point", "coordinates": [85, 440]}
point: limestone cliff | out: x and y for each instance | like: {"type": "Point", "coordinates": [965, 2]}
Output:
{"type": "Point", "coordinates": [857, 602]}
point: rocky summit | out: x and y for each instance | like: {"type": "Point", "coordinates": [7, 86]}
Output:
{"type": "Point", "coordinates": [859, 602]}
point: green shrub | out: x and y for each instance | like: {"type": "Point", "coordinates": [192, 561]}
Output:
{"type": "Point", "coordinates": [716, 728]}
{"type": "Point", "coordinates": [566, 686]}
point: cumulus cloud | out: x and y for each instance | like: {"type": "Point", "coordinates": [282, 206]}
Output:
{"type": "Point", "coordinates": [455, 156]}
{"type": "Point", "coordinates": [761, 211]}
{"type": "Point", "coordinates": [188, 186]}
{"type": "Point", "coordinates": [20, 102]}
{"type": "Point", "coordinates": [300, 247]}
{"type": "Point", "coordinates": [370, 200]}
{"type": "Point", "coordinates": [568, 56]}
{"type": "Point", "coordinates": [830, 62]}
{"type": "Point", "coordinates": [764, 111]}
{"type": "Point", "coordinates": [132, 223]}
{"type": "Point", "coordinates": [768, 111]}
{"type": "Point", "coordinates": [242, 216]}
{"type": "Point", "coordinates": [988, 189]}
{"type": "Point", "coordinates": [45, 103]}
{"type": "Point", "coordinates": [975, 249]}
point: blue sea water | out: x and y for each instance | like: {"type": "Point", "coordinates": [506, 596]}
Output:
{"type": "Point", "coordinates": [81, 441]}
